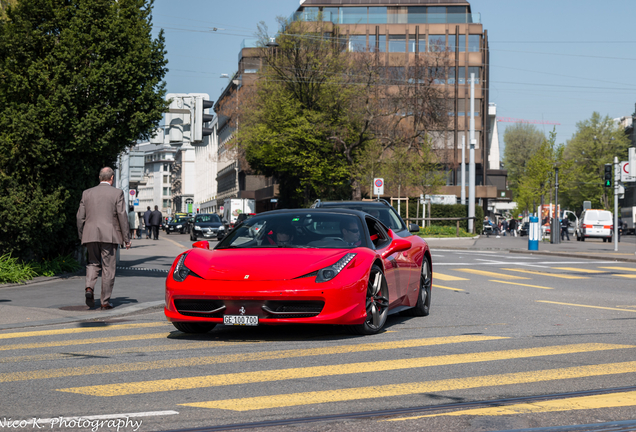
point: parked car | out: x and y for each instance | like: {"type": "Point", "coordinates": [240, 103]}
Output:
{"type": "Point", "coordinates": [179, 224]}
{"type": "Point", "coordinates": [205, 225]}
{"type": "Point", "coordinates": [228, 226]}
{"type": "Point", "coordinates": [523, 230]}
{"type": "Point", "coordinates": [595, 223]}
{"type": "Point", "coordinates": [303, 266]}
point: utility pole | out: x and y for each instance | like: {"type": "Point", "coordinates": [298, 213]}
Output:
{"type": "Point", "coordinates": [463, 191]}
{"type": "Point", "coordinates": [556, 226]}
{"type": "Point", "coordinates": [471, 163]}
{"type": "Point", "coordinates": [616, 180]}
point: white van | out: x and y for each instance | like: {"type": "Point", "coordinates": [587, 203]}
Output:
{"type": "Point", "coordinates": [595, 223]}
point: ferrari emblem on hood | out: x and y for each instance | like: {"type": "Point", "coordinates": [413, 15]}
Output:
{"type": "Point", "coordinates": [246, 276]}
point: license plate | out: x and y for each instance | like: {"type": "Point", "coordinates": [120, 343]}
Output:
{"type": "Point", "coordinates": [598, 226]}
{"type": "Point", "coordinates": [242, 320]}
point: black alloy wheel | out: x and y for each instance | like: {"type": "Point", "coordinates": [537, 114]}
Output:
{"type": "Point", "coordinates": [377, 304]}
{"type": "Point", "coordinates": [423, 305]}
{"type": "Point", "coordinates": [193, 327]}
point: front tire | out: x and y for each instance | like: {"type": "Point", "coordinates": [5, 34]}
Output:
{"type": "Point", "coordinates": [194, 327]}
{"type": "Point", "coordinates": [423, 305]}
{"type": "Point", "coordinates": [377, 304]}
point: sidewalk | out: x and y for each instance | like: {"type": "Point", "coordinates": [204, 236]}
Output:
{"type": "Point", "coordinates": [139, 285]}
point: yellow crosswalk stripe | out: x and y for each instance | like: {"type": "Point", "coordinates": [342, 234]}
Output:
{"type": "Point", "coordinates": [82, 330]}
{"type": "Point", "coordinates": [490, 274]}
{"type": "Point", "coordinates": [520, 284]}
{"type": "Point", "coordinates": [321, 371]}
{"type": "Point", "coordinates": [620, 268]}
{"type": "Point", "coordinates": [613, 400]}
{"type": "Point", "coordinates": [121, 351]}
{"type": "Point", "coordinates": [84, 341]}
{"type": "Point", "coordinates": [445, 287]}
{"type": "Point", "coordinates": [237, 358]}
{"type": "Point", "coordinates": [580, 270]}
{"type": "Point", "coordinates": [375, 392]}
{"type": "Point", "coordinates": [447, 278]}
{"type": "Point", "coordinates": [538, 273]}
{"type": "Point", "coordinates": [629, 276]}
{"type": "Point", "coordinates": [585, 306]}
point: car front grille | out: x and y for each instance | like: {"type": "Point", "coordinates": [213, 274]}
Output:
{"type": "Point", "coordinates": [206, 308]}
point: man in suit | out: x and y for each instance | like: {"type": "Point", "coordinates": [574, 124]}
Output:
{"type": "Point", "coordinates": [147, 222]}
{"type": "Point", "coordinates": [155, 222]}
{"type": "Point", "coordinates": [102, 224]}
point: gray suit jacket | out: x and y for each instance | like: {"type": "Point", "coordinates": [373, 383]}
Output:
{"type": "Point", "coordinates": [102, 216]}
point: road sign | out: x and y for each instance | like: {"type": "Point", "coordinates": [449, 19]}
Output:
{"type": "Point", "coordinates": [625, 177]}
{"type": "Point", "coordinates": [378, 186]}
{"type": "Point", "coordinates": [132, 192]}
{"type": "Point", "coordinates": [136, 202]}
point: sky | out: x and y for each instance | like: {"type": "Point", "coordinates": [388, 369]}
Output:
{"type": "Point", "coordinates": [551, 60]}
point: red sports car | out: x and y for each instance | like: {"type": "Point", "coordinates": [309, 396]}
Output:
{"type": "Point", "coordinates": [313, 266]}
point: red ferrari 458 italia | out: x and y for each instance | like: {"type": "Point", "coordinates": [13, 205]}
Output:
{"type": "Point", "coordinates": [302, 266]}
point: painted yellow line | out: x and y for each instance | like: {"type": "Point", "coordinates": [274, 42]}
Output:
{"type": "Point", "coordinates": [620, 268]}
{"type": "Point", "coordinates": [490, 274]}
{"type": "Point", "coordinates": [84, 341]}
{"type": "Point", "coordinates": [174, 242]}
{"type": "Point", "coordinates": [331, 370]}
{"type": "Point", "coordinates": [376, 392]}
{"type": "Point", "coordinates": [237, 358]}
{"type": "Point", "coordinates": [520, 284]}
{"type": "Point", "coordinates": [585, 306]}
{"type": "Point", "coordinates": [81, 330]}
{"type": "Point", "coordinates": [445, 287]}
{"type": "Point", "coordinates": [630, 276]}
{"type": "Point", "coordinates": [538, 273]}
{"type": "Point", "coordinates": [447, 278]}
{"type": "Point", "coordinates": [612, 400]}
{"type": "Point", "coordinates": [123, 351]}
{"type": "Point", "coordinates": [580, 270]}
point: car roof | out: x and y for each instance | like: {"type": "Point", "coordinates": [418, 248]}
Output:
{"type": "Point", "coordinates": [334, 210]}
{"type": "Point", "coordinates": [373, 203]}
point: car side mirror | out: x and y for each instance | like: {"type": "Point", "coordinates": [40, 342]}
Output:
{"type": "Point", "coordinates": [414, 228]}
{"type": "Point", "coordinates": [203, 244]}
{"type": "Point", "coordinates": [397, 245]}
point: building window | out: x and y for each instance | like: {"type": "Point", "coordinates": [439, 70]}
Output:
{"type": "Point", "coordinates": [353, 15]}
{"type": "Point", "coordinates": [357, 43]}
{"type": "Point", "coordinates": [377, 15]}
{"type": "Point", "coordinates": [456, 14]}
{"type": "Point", "coordinates": [461, 78]}
{"type": "Point", "coordinates": [476, 70]}
{"type": "Point", "coordinates": [451, 75]}
{"type": "Point", "coordinates": [330, 14]}
{"type": "Point", "coordinates": [437, 74]}
{"type": "Point", "coordinates": [462, 43]}
{"type": "Point", "coordinates": [412, 43]}
{"type": "Point", "coordinates": [163, 156]}
{"type": "Point", "coordinates": [396, 74]}
{"type": "Point", "coordinates": [397, 43]}
{"type": "Point", "coordinates": [166, 167]}
{"type": "Point", "coordinates": [381, 46]}
{"type": "Point", "coordinates": [166, 191]}
{"type": "Point", "coordinates": [436, 15]}
{"type": "Point", "coordinates": [436, 43]}
{"type": "Point", "coordinates": [166, 179]}
{"type": "Point", "coordinates": [382, 43]}
{"type": "Point", "coordinates": [473, 43]}
{"type": "Point", "coordinates": [396, 15]}
{"type": "Point", "coordinates": [167, 203]}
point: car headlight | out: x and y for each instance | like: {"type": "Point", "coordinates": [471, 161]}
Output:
{"type": "Point", "coordinates": [221, 228]}
{"type": "Point", "coordinates": [197, 228]}
{"type": "Point", "coordinates": [328, 273]}
{"type": "Point", "coordinates": [179, 226]}
{"type": "Point", "coordinates": [181, 272]}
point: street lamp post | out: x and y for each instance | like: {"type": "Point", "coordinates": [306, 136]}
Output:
{"type": "Point", "coordinates": [556, 227]}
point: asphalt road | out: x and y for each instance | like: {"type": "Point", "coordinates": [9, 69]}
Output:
{"type": "Point", "coordinates": [513, 342]}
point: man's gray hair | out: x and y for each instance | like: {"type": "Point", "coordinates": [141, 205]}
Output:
{"type": "Point", "coordinates": [106, 174]}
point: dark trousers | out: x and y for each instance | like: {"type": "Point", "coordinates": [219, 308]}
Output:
{"type": "Point", "coordinates": [155, 232]}
{"type": "Point", "coordinates": [565, 233]}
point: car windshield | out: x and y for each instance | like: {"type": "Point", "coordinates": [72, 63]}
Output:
{"type": "Point", "coordinates": [207, 218]}
{"type": "Point", "coordinates": [385, 214]}
{"type": "Point", "coordinates": [297, 230]}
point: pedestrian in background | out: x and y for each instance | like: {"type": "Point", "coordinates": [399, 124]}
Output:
{"type": "Point", "coordinates": [565, 224]}
{"type": "Point", "coordinates": [513, 227]}
{"type": "Point", "coordinates": [155, 222]}
{"type": "Point", "coordinates": [133, 222]}
{"type": "Point", "coordinates": [102, 225]}
{"type": "Point", "coordinates": [147, 222]}
{"type": "Point", "coordinates": [140, 220]}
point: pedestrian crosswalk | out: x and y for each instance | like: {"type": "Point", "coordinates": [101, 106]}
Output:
{"type": "Point", "coordinates": [347, 365]}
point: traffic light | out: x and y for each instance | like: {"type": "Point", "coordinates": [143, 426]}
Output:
{"type": "Point", "coordinates": [608, 175]}
{"type": "Point", "coordinates": [200, 118]}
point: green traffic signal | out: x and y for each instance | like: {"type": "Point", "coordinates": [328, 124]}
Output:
{"type": "Point", "coordinates": [608, 183]}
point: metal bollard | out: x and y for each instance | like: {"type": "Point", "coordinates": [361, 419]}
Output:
{"type": "Point", "coordinates": [534, 231]}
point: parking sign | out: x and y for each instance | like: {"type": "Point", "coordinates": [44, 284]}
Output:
{"type": "Point", "coordinates": [378, 186]}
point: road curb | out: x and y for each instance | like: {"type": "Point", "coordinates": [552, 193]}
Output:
{"type": "Point", "coordinates": [116, 312]}
{"type": "Point", "coordinates": [41, 279]}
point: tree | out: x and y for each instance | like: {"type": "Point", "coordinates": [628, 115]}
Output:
{"type": "Point", "coordinates": [80, 81]}
{"type": "Point", "coordinates": [4, 4]}
{"type": "Point", "coordinates": [595, 143]}
{"type": "Point", "coordinates": [521, 141]}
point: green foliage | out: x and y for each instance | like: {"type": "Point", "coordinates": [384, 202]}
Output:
{"type": "Point", "coordinates": [595, 143]}
{"type": "Point", "coordinates": [80, 81]}
{"type": "Point", "coordinates": [522, 141]}
{"type": "Point", "coordinates": [12, 270]}
{"type": "Point", "coordinates": [443, 231]}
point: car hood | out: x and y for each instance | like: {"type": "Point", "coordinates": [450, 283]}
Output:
{"type": "Point", "coordinates": [208, 224]}
{"type": "Point", "coordinates": [260, 264]}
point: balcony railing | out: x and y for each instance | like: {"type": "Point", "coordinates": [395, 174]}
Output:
{"type": "Point", "coordinates": [384, 18]}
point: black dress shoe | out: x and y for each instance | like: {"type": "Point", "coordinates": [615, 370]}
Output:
{"type": "Point", "coordinates": [90, 300]}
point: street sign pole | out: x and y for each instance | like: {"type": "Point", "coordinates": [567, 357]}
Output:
{"type": "Point", "coordinates": [617, 177]}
